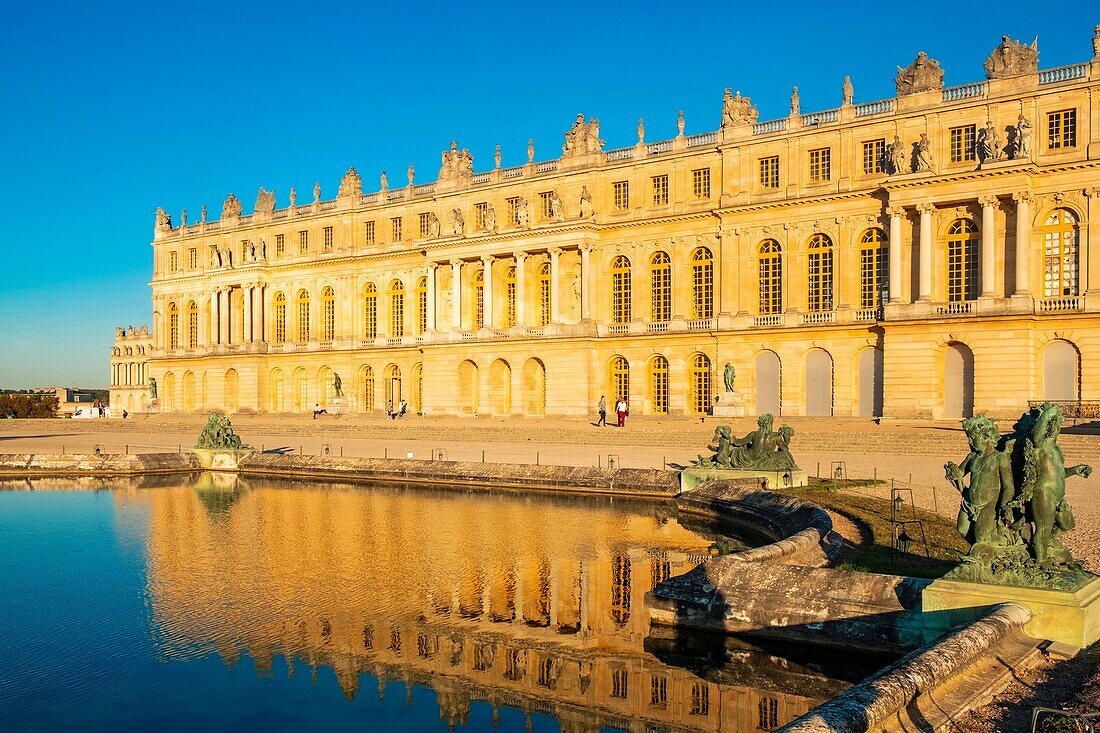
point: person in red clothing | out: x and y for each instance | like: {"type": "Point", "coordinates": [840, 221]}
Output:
{"type": "Point", "coordinates": [621, 411]}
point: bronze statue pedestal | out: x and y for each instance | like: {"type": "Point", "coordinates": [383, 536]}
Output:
{"type": "Point", "coordinates": [220, 459]}
{"type": "Point", "coordinates": [773, 480]}
{"type": "Point", "coordinates": [729, 404]}
{"type": "Point", "coordinates": [1068, 616]}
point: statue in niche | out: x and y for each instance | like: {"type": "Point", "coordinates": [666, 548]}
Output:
{"type": "Point", "coordinates": [847, 93]}
{"type": "Point", "coordinates": [351, 185]}
{"type": "Point", "coordinates": [1021, 145]}
{"type": "Point", "coordinates": [293, 197]}
{"type": "Point", "coordinates": [231, 207]}
{"type": "Point", "coordinates": [458, 222]}
{"type": "Point", "coordinates": [152, 388]}
{"type": "Point", "coordinates": [317, 192]}
{"type": "Point", "coordinates": [215, 256]}
{"type": "Point", "coordinates": [737, 111]}
{"type": "Point", "coordinates": [263, 249]}
{"type": "Point", "coordinates": [337, 385]}
{"type": "Point", "coordinates": [761, 450]}
{"type": "Point", "coordinates": [202, 213]}
{"type": "Point", "coordinates": [582, 138]}
{"type": "Point", "coordinates": [990, 143]}
{"type": "Point", "coordinates": [433, 225]}
{"type": "Point", "coordinates": [183, 217]}
{"type": "Point", "coordinates": [164, 221]}
{"type": "Point", "coordinates": [557, 209]}
{"type": "Point", "coordinates": [587, 212]}
{"type": "Point", "coordinates": [924, 153]}
{"type": "Point", "coordinates": [727, 377]}
{"type": "Point", "coordinates": [923, 75]}
{"type": "Point", "coordinates": [523, 214]}
{"type": "Point", "coordinates": [1012, 58]}
{"type": "Point", "coordinates": [265, 201]}
{"type": "Point", "coordinates": [457, 165]}
{"type": "Point", "coordinates": [490, 219]}
{"type": "Point", "coordinates": [795, 104]}
{"type": "Point", "coordinates": [218, 435]}
{"type": "Point", "coordinates": [1014, 508]}
{"type": "Point", "coordinates": [897, 156]}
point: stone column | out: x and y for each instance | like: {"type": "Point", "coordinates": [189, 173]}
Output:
{"type": "Point", "coordinates": [1088, 258]}
{"type": "Point", "coordinates": [456, 295]}
{"type": "Point", "coordinates": [989, 257]}
{"type": "Point", "coordinates": [248, 314]}
{"type": "Point", "coordinates": [262, 313]}
{"type": "Point", "coordinates": [555, 309]}
{"type": "Point", "coordinates": [223, 315]}
{"type": "Point", "coordinates": [521, 288]}
{"type": "Point", "coordinates": [431, 297]}
{"type": "Point", "coordinates": [1023, 240]}
{"type": "Point", "coordinates": [925, 210]}
{"type": "Point", "coordinates": [487, 264]}
{"type": "Point", "coordinates": [215, 317]}
{"type": "Point", "coordinates": [586, 251]}
{"type": "Point", "coordinates": [897, 215]}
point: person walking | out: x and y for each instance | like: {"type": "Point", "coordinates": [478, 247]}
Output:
{"type": "Point", "coordinates": [602, 408]}
{"type": "Point", "coordinates": [620, 411]}
{"type": "Point", "coordinates": [318, 410]}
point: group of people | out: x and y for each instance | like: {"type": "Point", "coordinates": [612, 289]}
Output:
{"type": "Point", "coordinates": [393, 414]}
{"type": "Point", "coordinates": [621, 411]}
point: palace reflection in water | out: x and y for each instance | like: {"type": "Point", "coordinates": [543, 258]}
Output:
{"type": "Point", "coordinates": [532, 602]}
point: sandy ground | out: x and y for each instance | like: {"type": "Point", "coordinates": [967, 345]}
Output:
{"type": "Point", "coordinates": [910, 454]}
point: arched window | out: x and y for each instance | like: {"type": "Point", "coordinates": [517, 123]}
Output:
{"type": "Point", "coordinates": [874, 269]}
{"type": "Point", "coordinates": [544, 293]}
{"type": "Point", "coordinates": [699, 384]}
{"type": "Point", "coordinates": [328, 314]}
{"type": "Point", "coordinates": [702, 283]}
{"type": "Point", "coordinates": [620, 589]}
{"type": "Point", "coordinates": [367, 387]}
{"type": "Point", "coordinates": [1061, 239]}
{"type": "Point", "coordinates": [421, 306]}
{"type": "Point", "coordinates": [301, 390]}
{"type": "Point", "coordinates": [279, 302]}
{"type": "Point", "coordinates": [819, 274]}
{"type": "Point", "coordinates": [397, 309]}
{"type": "Point", "coordinates": [620, 290]}
{"type": "Point", "coordinates": [370, 311]}
{"type": "Point", "coordinates": [479, 300]}
{"type": "Point", "coordinates": [770, 271]}
{"type": "Point", "coordinates": [173, 326]}
{"type": "Point", "coordinates": [658, 385]}
{"type": "Point", "coordinates": [277, 390]}
{"type": "Point", "coordinates": [660, 287]}
{"type": "Point", "coordinates": [510, 296]}
{"type": "Point", "coordinates": [303, 316]}
{"type": "Point", "coordinates": [962, 261]}
{"type": "Point", "coordinates": [192, 324]}
{"type": "Point", "coordinates": [230, 390]}
{"type": "Point", "coordinates": [618, 379]}
{"type": "Point", "coordinates": [1061, 372]}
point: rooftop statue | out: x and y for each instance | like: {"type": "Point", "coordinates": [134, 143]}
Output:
{"type": "Point", "coordinates": [583, 138]}
{"type": "Point", "coordinates": [231, 207]}
{"type": "Point", "coordinates": [458, 165]}
{"type": "Point", "coordinates": [923, 75]}
{"type": "Point", "coordinates": [164, 221]}
{"type": "Point", "coordinates": [1012, 58]}
{"type": "Point", "coordinates": [761, 450]}
{"type": "Point", "coordinates": [737, 111]}
{"type": "Point", "coordinates": [218, 435]}
{"type": "Point", "coordinates": [1014, 507]}
{"type": "Point", "coordinates": [351, 185]}
{"type": "Point", "coordinates": [265, 201]}
{"type": "Point", "coordinates": [847, 92]}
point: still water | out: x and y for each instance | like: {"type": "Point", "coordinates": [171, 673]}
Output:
{"type": "Point", "coordinates": [179, 604]}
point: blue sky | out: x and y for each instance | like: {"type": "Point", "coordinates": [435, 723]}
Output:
{"type": "Point", "coordinates": [112, 109]}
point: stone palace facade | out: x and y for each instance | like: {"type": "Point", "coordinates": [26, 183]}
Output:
{"type": "Point", "coordinates": [930, 255]}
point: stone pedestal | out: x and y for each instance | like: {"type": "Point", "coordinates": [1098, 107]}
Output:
{"type": "Point", "coordinates": [220, 459]}
{"type": "Point", "coordinates": [336, 405]}
{"type": "Point", "coordinates": [1071, 617]}
{"type": "Point", "coordinates": [729, 404]}
{"type": "Point", "coordinates": [692, 477]}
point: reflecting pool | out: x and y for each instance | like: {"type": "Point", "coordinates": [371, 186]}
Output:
{"type": "Point", "coordinates": [215, 603]}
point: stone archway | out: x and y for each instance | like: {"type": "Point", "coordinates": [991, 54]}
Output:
{"type": "Point", "coordinates": [468, 388]}
{"type": "Point", "coordinates": [1061, 372]}
{"type": "Point", "coordinates": [870, 382]}
{"type": "Point", "coordinates": [958, 381]}
{"type": "Point", "coordinates": [500, 387]}
{"type": "Point", "coordinates": [768, 382]}
{"type": "Point", "coordinates": [534, 387]}
{"type": "Point", "coordinates": [819, 383]}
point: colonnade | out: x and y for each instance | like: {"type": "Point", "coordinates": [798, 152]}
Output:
{"type": "Point", "coordinates": [128, 374]}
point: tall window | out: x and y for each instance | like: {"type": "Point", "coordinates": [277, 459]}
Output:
{"type": "Point", "coordinates": [173, 326]}
{"type": "Point", "coordinates": [660, 190]}
{"type": "Point", "coordinates": [544, 204]}
{"type": "Point", "coordinates": [770, 271]}
{"type": "Point", "coordinates": [368, 233]}
{"type": "Point", "coordinates": [424, 222]}
{"type": "Point", "coordinates": [368, 389]}
{"type": "Point", "coordinates": [820, 165]}
{"type": "Point", "coordinates": [421, 305]}
{"type": "Point", "coordinates": [513, 209]}
{"type": "Point", "coordinates": [700, 183]}
{"type": "Point", "coordinates": [618, 379]}
{"type": "Point", "coordinates": [192, 324]}
{"type": "Point", "coordinates": [544, 293]}
{"type": "Point", "coordinates": [480, 212]}
{"type": "Point", "coordinates": [173, 261]}
{"type": "Point", "coordinates": [1062, 129]}
{"type": "Point", "coordinates": [397, 309]}
{"type": "Point", "coordinates": [962, 261]}
{"type": "Point", "coordinates": [479, 300]}
{"type": "Point", "coordinates": [660, 287]}
{"type": "Point", "coordinates": [280, 245]}
{"type": "Point", "coordinates": [192, 258]}
{"type": "Point", "coordinates": [658, 691]}
{"type": "Point", "coordinates": [370, 311]}
{"type": "Point", "coordinates": [820, 274]}
{"type": "Point", "coordinates": [619, 680]}
{"type": "Point", "coordinates": [700, 384]}
{"type": "Point", "coordinates": [702, 283]}
{"type": "Point", "coordinates": [303, 243]}
{"type": "Point", "coordinates": [279, 303]}
{"type": "Point", "coordinates": [874, 156]}
{"type": "Point", "coordinates": [621, 195]}
{"type": "Point", "coordinates": [658, 385]}
{"type": "Point", "coordinates": [769, 172]}
{"type": "Point", "coordinates": [395, 229]}
{"type": "Point", "coordinates": [874, 269]}
{"type": "Point", "coordinates": [1061, 235]}
{"type": "Point", "coordinates": [620, 589]}
{"type": "Point", "coordinates": [769, 714]}
{"type": "Point", "coordinates": [962, 143]}
{"type": "Point", "coordinates": [700, 699]}
{"type": "Point", "coordinates": [328, 314]}
{"type": "Point", "coordinates": [327, 241]}
{"type": "Point", "coordinates": [303, 316]}
{"type": "Point", "coordinates": [620, 290]}
{"type": "Point", "coordinates": [510, 296]}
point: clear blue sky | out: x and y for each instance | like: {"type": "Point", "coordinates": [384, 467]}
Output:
{"type": "Point", "coordinates": [112, 109]}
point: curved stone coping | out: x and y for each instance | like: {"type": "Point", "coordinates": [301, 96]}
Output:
{"type": "Point", "coordinates": [886, 694]}
{"type": "Point", "coordinates": [30, 465]}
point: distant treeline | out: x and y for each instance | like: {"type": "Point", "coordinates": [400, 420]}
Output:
{"type": "Point", "coordinates": [14, 404]}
